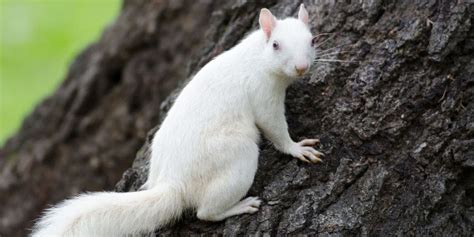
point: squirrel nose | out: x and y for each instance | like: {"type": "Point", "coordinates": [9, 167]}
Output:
{"type": "Point", "coordinates": [301, 68]}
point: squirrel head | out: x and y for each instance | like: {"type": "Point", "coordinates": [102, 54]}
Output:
{"type": "Point", "coordinates": [289, 45]}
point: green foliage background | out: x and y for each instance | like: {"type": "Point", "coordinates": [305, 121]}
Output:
{"type": "Point", "coordinates": [38, 40]}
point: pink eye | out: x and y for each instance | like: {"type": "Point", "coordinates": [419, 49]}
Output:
{"type": "Point", "coordinates": [276, 45]}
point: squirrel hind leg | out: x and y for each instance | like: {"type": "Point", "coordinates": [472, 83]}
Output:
{"type": "Point", "coordinates": [222, 196]}
{"type": "Point", "coordinates": [249, 205]}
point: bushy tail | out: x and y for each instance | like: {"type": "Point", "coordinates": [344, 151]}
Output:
{"type": "Point", "coordinates": [111, 214]}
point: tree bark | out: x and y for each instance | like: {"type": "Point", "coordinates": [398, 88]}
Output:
{"type": "Point", "coordinates": [395, 118]}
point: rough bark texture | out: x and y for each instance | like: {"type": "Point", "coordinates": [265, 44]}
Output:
{"type": "Point", "coordinates": [396, 123]}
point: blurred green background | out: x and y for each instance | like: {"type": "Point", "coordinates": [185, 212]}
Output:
{"type": "Point", "coordinates": [38, 40]}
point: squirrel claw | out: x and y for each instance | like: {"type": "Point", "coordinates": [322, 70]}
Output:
{"type": "Point", "coordinates": [309, 142]}
{"type": "Point", "coordinates": [304, 151]}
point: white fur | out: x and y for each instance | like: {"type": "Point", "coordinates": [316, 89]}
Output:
{"type": "Point", "coordinates": [204, 156]}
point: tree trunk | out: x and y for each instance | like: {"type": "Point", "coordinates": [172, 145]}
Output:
{"type": "Point", "coordinates": [395, 118]}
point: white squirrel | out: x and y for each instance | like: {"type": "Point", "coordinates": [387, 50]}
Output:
{"type": "Point", "coordinates": [205, 154]}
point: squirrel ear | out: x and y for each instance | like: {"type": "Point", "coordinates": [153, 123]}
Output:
{"type": "Point", "coordinates": [267, 22]}
{"type": "Point", "coordinates": [303, 14]}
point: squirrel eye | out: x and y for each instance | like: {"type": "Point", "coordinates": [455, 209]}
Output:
{"type": "Point", "coordinates": [313, 41]}
{"type": "Point", "coordinates": [276, 45]}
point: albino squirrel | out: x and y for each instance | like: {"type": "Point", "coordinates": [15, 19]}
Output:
{"type": "Point", "coordinates": [205, 154]}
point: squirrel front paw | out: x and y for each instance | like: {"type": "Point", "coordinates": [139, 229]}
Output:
{"type": "Point", "coordinates": [304, 151]}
